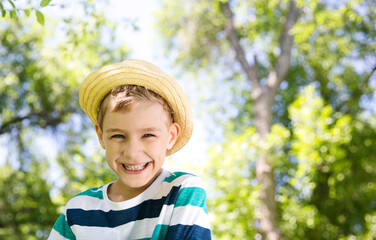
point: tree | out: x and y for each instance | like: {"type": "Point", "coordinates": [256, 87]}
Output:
{"type": "Point", "coordinates": [279, 47]}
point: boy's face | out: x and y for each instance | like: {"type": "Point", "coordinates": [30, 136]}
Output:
{"type": "Point", "coordinates": [136, 141]}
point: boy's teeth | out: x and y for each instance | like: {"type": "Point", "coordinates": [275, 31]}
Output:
{"type": "Point", "coordinates": [135, 167]}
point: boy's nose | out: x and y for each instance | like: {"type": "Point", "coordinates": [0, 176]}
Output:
{"type": "Point", "coordinates": [132, 150]}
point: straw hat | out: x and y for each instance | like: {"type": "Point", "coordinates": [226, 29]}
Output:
{"type": "Point", "coordinates": [98, 84]}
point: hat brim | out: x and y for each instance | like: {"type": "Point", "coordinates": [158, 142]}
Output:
{"type": "Point", "coordinates": [137, 72]}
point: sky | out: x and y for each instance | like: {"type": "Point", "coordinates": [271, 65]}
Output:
{"type": "Point", "coordinates": [141, 13]}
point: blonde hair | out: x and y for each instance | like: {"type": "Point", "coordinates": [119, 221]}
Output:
{"type": "Point", "coordinates": [126, 96]}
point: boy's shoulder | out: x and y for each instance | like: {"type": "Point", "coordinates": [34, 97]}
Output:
{"type": "Point", "coordinates": [90, 195]}
{"type": "Point", "coordinates": [190, 190]}
{"type": "Point", "coordinates": [184, 179]}
{"type": "Point", "coordinates": [96, 192]}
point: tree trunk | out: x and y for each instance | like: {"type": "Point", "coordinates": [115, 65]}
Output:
{"type": "Point", "coordinates": [264, 171]}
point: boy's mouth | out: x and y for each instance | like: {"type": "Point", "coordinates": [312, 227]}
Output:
{"type": "Point", "coordinates": [137, 167]}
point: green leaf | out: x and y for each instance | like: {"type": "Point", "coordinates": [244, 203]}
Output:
{"type": "Point", "coordinates": [40, 17]}
{"type": "Point", "coordinates": [45, 3]}
{"type": "Point", "coordinates": [27, 12]}
{"type": "Point", "coordinates": [14, 7]}
{"type": "Point", "coordinates": [3, 12]}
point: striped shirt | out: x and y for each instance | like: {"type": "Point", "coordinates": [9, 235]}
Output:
{"type": "Point", "coordinates": [172, 207]}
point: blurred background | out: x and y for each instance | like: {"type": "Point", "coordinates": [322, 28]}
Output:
{"type": "Point", "coordinates": [283, 95]}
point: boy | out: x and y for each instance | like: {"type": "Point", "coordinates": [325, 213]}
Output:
{"type": "Point", "coordinates": [141, 115]}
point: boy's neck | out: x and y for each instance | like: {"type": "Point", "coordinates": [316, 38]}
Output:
{"type": "Point", "coordinates": [116, 192]}
{"type": "Point", "coordinates": [119, 192]}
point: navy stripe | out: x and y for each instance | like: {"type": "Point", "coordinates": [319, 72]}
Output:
{"type": "Point", "coordinates": [98, 218]}
{"type": "Point", "coordinates": [185, 232]}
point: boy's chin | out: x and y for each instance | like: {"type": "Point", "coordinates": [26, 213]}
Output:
{"type": "Point", "coordinates": [140, 180]}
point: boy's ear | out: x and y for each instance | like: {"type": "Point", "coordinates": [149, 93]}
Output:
{"type": "Point", "coordinates": [100, 135]}
{"type": "Point", "coordinates": [175, 130]}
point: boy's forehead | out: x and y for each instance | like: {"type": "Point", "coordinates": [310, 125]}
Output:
{"type": "Point", "coordinates": [109, 102]}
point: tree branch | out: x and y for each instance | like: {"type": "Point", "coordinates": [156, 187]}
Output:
{"type": "Point", "coordinates": [234, 40]}
{"type": "Point", "coordinates": [283, 63]}
{"type": "Point", "coordinates": [371, 73]}
{"type": "Point", "coordinates": [6, 125]}
{"type": "Point", "coordinates": [49, 121]}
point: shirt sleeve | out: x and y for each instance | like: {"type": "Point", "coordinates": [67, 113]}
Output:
{"type": "Point", "coordinates": [61, 230]}
{"type": "Point", "coordinates": [190, 215]}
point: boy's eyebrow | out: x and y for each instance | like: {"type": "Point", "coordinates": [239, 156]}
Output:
{"type": "Point", "coordinates": [114, 130]}
{"type": "Point", "coordinates": [149, 129]}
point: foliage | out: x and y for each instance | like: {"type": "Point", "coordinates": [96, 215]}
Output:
{"type": "Point", "coordinates": [233, 199]}
{"type": "Point", "coordinates": [27, 211]}
{"type": "Point", "coordinates": [325, 184]}
{"type": "Point", "coordinates": [14, 11]}
{"type": "Point", "coordinates": [332, 177]}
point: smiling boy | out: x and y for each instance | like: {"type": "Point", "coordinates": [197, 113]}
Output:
{"type": "Point", "coordinates": [141, 115]}
{"type": "Point", "coordinates": [135, 151]}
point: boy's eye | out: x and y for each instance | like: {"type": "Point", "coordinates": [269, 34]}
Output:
{"type": "Point", "coordinates": [117, 136]}
{"type": "Point", "coordinates": [148, 135]}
